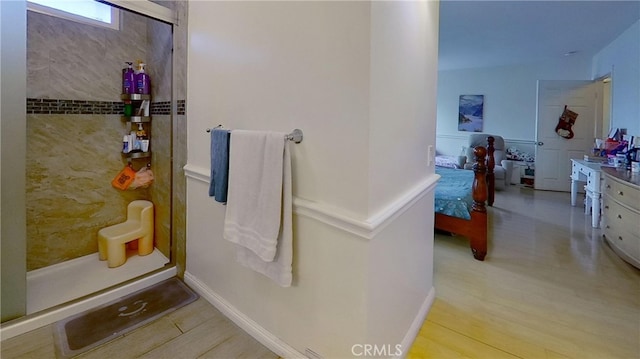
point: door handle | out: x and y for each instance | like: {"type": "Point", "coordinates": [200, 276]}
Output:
{"type": "Point", "coordinates": [540, 143]}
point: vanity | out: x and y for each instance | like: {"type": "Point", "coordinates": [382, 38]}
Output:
{"type": "Point", "coordinates": [621, 213]}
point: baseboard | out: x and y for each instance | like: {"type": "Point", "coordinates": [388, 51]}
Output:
{"type": "Point", "coordinates": [415, 327]}
{"type": "Point", "coordinates": [262, 335]}
{"type": "Point", "coordinates": [274, 343]}
{"type": "Point", "coordinates": [29, 323]}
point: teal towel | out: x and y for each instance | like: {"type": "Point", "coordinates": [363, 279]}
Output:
{"type": "Point", "coordinates": [219, 164]}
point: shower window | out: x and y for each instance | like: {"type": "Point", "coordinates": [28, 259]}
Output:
{"type": "Point", "coordinates": [84, 11]}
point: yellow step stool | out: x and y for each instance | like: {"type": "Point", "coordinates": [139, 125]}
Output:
{"type": "Point", "coordinates": [112, 240]}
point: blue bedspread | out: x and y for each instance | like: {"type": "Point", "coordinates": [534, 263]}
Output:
{"type": "Point", "coordinates": [453, 195]}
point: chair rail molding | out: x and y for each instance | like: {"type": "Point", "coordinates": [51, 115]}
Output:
{"type": "Point", "coordinates": [366, 228]}
{"type": "Point", "coordinates": [466, 135]}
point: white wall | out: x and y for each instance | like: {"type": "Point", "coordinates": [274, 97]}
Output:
{"type": "Point", "coordinates": [622, 58]}
{"type": "Point", "coordinates": [509, 98]}
{"type": "Point", "coordinates": [510, 92]}
{"type": "Point", "coordinates": [363, 240]}
{"type": "Point", "coordinates": [279, 66]}
{"type": "Point", "coordinates": [403, 99]}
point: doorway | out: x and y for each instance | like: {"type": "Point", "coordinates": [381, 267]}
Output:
{"type": "Point", "coordinates": [554, 152]}
{"type": "Point", "coordinates": [606, 108]}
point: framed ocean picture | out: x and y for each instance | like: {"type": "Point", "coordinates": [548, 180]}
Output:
{"type": "Point", "coordinates": [470, 112]}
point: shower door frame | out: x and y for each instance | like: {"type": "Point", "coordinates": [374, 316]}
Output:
{"type": "Point", "coordinates": [13, 54]}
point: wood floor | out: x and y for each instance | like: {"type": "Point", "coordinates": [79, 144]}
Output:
{"type": "Point", "coordinates": [197, 330]}
{"type": "Point", "coordinates": [549, 288]}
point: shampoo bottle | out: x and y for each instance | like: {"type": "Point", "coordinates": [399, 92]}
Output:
{"type": "Point", "coordinates": [128, 79]}
{"type": "Point", "coordinates": [134, 145]}
{"type": "Point", "coordinates": [125, 144]}
{"type": "Point", "coordinates": [143, 82]}
{"type": "Point", "coordinates": [141, 136]}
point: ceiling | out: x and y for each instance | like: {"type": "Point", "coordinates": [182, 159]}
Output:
{"type": "Point", "coordinates": [498, 33]}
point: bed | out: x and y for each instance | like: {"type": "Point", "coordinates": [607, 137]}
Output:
{"type": "Point", "coordinates": [448, 161]}
{"type": "Point", "coordinates": [460, 198]}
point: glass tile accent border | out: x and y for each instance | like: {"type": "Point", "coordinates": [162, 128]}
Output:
{"type": "Point", "coordinates": [84, 107]}
{"type": "Point", "coordinates": [55, 106]}
{"type": "Point", "coordinates": [182, 107]}
{"type": "Point", "coordinates": [160, 108]}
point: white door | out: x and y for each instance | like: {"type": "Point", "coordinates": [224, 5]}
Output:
{"type": "Point", "coordinates": [553, 152]}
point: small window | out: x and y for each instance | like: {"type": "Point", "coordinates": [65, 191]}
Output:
{"type": "Point", "coordinates": [85, 11]}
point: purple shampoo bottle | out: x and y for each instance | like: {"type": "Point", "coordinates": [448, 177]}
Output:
{"type": "Point", "coordinates": [128, 79]}
{"type": "Point", "coordinates": [143, 82]}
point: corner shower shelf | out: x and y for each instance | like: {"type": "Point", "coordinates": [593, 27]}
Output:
{"type": "Point", "coordinates": [136, 119]}
{"type": "Point", "coordinates": [134, 155]}
{"type": "Point", "coordinates": [135, 97]}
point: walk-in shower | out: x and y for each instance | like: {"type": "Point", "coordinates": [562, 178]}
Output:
{"type": "Point", "coordinates": [74, 127]}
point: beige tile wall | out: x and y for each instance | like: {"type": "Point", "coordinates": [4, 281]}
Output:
{"type": "Point", "coordinates": [70, 163]}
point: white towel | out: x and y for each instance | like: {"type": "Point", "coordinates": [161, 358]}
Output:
{"type": "Point", "coordinates": [254, 199]}
{"type": "Point", "coordinates": [279, 270]}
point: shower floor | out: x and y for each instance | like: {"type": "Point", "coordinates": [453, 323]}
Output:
{"type": "Point", "coordinates": [62, 282]}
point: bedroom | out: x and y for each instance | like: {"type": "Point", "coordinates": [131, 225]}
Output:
{"type": "Point", "coordinates": [514, 311]}
{"type": "Point", "coordinates": [506, 73]}
{"type": "Point", "coordinates": [517, 67]}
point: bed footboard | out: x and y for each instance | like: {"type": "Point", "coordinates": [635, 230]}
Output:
{"type": "Point", "coordinates": [476, 228]}
{"type": "Point", "coordinates": [491, 176]}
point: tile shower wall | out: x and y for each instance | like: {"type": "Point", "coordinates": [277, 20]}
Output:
{"type": "Point", "coordinates": [75, 132]}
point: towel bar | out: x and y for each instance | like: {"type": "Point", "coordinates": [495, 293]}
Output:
{"type": "Point", "coordinates": [295, 136]}
{"type": "Point", "coordinates": [209, 129]}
